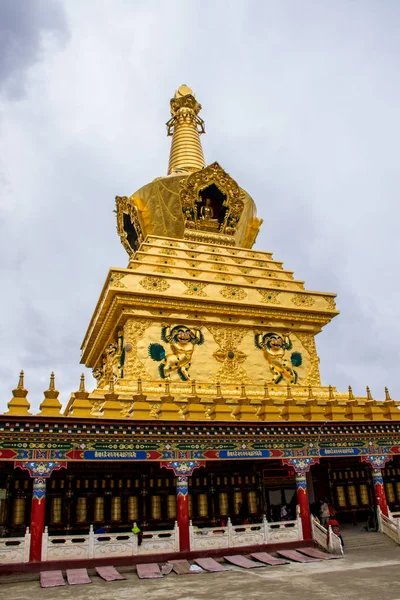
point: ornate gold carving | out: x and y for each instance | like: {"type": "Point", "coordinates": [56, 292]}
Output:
{"type": "Point", "coordinates": [193, 273]}
{"type": "Point", "coordinates": [115, 280]}
{"type": "Point", "coordinates": [171, 244]}
{"type": "Point", "coordinates": [193, 263]}
{"type": "Point", "coordinates": [269, 296]}
{"type": "Point", "coordinates": [223, 277]}
{"type": "Point", "coordinates": [302, 300]}
{"type": "Point", "coordinates": [238, 260]}
{"type": "Point", "coordinates": [279, 283]}
{"type": "Point", "coordinates": [245, 270]}
{"type": "Point", "coordinates": [209, 238]}
{"type": "Point", "coordinates": [229, 340]}
{"type": "Point", "coordinates": [233, 293]}
{"type": "Point", "coordinates": [169, 252]}
{"type": "Point", "coordinates": [156, 284]}
{"type": "Point", "coordinates": [330, 302]}
{"type": "Point", "coordinates": [195, 288]}
{"type": "Point", "coordinates": [313, 376]}
{"type": "Point", "coordinates": [134, 330]}
{"type": "Point", "coordinates": [165, 261]}
{"type": "Point", "coordinates": [199, 180]}
{"type": "Point", "coordinates": [163, 270]}
{"type": "Point", "coordinates": [125, 206]}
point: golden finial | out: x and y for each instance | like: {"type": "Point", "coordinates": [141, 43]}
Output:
{"type": "Point", "coordinates": [167, 387]}
{"type": "Point", "coordinates": [19, 404]}
{"type": "Point", "coordinates": [111, 385]}
{"type": "Point", "coordinates": [52, 385]}
{"type": "Point", "coordinates": [82, 383]}
{"type": "Point", "coordinates": [243, 391]}
{"type": "Point", "coordinates": [219, 394]}
{"type": "Point", "coordinates": [289, 392]}
{"type": "Point", "coordinates": [266, 391]}
{"type": "Point", "coordinates": [185, 127]}
{"type": "Point", "coordinates": [310, 393]}
{"type": "Point", "coordinates": [139, 386]}
{"type": "Point", "coordinates": [387, 395]}
{"type": "Point", "coordinates": [369, 395]}
{"type": "Point", "coordinates": [20, 385]}
{"type": "Point", "coordinates": [193, 387]}
{"type": "Point", "coordinates": [351, 395]}
{"type": "Point", "coordinates": [331, 395]}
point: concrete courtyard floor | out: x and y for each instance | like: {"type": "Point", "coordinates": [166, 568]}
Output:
{"type": "Point", "coordinates": [364, 573]}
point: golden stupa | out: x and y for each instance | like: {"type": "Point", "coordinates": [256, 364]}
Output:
{"type": "Point", "coordinates": [199, 326]}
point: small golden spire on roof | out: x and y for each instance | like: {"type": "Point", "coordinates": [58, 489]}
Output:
{"type": "Point", "coordinates": [185, 127]}
{"type": "Point", "coordinates": [82, 383]}
{"type": "Point", "coordinates": [369, 395]}
{"type": "Point", "coordinates": [51, 406]}
{"type": "Point", "coordinates": [19, 404]}
{"type": "Point", "coordinates": [387, 395]}
{"type": "Point", "coordinates": [351, 395]}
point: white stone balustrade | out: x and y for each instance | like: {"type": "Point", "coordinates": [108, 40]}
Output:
{"type": "Point", "coordinates": [252, 534]}
{"type": "Point", "coordinates": [107, 545]}
{"type": "Point", "coordinates": [390, 525]}
{"type": "Point", "coordinates": [15, 550]}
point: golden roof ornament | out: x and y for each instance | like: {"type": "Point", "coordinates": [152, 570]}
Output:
{"type": "Point", "coordinates": [19, 404]}
{"type": "Point", "coordinates": [185, 126]}
{"type": "Point", "coordinates": [51, 406]}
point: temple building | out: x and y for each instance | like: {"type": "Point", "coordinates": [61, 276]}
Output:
{"type": "Point", "coordinates": [208, 411]}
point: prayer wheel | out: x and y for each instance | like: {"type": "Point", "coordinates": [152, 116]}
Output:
{"type": "Point", "coordinates": [81, 510]}
{"type": "Point", "coordinates": [99, 509]}
{"type": "Point", "coordinates": [18, 511]}
{"type": "Point", "coordinates": [171, 506]}
{"type": "Point", "coordinates": [352, 494]}
{"type": "Point", "coordinates": [252, 502]}
{"type": "Point", "coordinates": [364, 494]}
{"type": "Point", "coordinates": [53, 484]}
{"type": "Point", "coordinates": [16, 484]}
{"type": "Point", "coordinates": [116, 508]}
{"type": "Point", "coordinates": [237, 499]}
{"type": "Point", "coordinates": [78, 484]}
{"type": "Point", "coordinates": [62, 484]}
{"type": "Point", "coordinates": [133, 508]}
{"type": "Point", "coordinates": [223, 504]}
{"type": "Point", "coordinates": [341, 497]}
{"type": "Point", "coordinates": [202, 505]}
{"type": "Point", "coordinates": [86, 484]}
{"type": "Point", "coordinates": [390, 493]}
{"type": "Point", "coordinates": [55, 510]}
{"type": "Point", "coordinates": [156, 507]}
{"type": "Point", "coordinates": [398, 491]}
{"type": "Point", "coordinates": [190, 505]}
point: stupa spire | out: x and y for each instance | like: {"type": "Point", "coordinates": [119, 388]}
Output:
{"type": "Point", "coordinates": [185, 127]}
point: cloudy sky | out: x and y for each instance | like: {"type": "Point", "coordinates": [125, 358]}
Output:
{"type": "Point", "coordinates": [301, 103]}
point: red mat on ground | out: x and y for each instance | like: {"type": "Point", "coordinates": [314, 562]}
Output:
{"type": "Point", "coordinates": [242, 561]}
{"type": "Point", "coordinates": [268, 559]}
{"type": "Point", "coordinates": [109, 574]}
{"type": "Point", "coordinates": [51, 579]}
{"type": "Point", "coordinates": [180, 567]}
{"type": "Point", "coordinates": [148, 571]}
{"type": "Point", "coordinates": [315, 553]}
{"type": "Point", "coordinates": [296, 556]}
{"type": "Point", "coordinates": [211, 565]}
{"type": "Point", "coordinates": [78, 576]}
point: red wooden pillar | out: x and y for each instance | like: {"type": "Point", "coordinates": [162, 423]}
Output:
{"type": "Point", "coordinates": [302, 501]}
{"type": "Point", "coordinates": [379, 489]}
{"type": "Point", "coordinates": [182, 470]}
{"type": "Point", "coordinates": [182, 510]}
{"type": "Point", "coordinates": [39, 471]}
{"type": "Point", "coordinates": [377, 462]}
{"type": "Point", "coordinates": [301, 467]}
{"type": "Point", "coordinates": [37, 518]}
